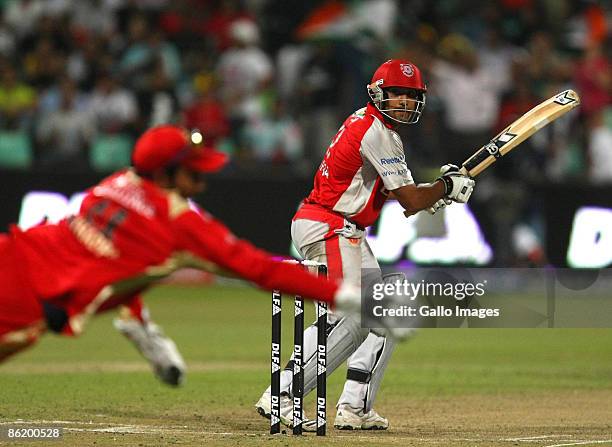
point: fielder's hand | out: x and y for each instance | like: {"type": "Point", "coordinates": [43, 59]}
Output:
{"type": "Point", "coordinates": [457, 187]}
{"type": "Point", "coordinates": [347, 301]}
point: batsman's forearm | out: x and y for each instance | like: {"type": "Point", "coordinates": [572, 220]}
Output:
{"type": "Point", "coordinates": [415, 198]}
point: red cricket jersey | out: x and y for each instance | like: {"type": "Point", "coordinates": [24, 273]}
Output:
{"type": "Point", "coordinates": [364, 161]}
{"type": "Point", "coordinates": [127, 229]}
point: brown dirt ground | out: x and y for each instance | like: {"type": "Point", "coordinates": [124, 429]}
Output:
{"type": "Point", "coordinates": [563, 418]}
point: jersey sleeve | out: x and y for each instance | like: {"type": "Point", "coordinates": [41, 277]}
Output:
{"type": "Point", "coordinates": [385, 151]}
{"type": "Point", "coordinates": [209, 239]}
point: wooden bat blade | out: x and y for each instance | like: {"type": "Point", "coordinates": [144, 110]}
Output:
{"type": "Point", "coordinates": [521, 129]}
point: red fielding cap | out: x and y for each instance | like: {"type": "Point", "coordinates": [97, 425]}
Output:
{"type": "Point", "coordinates": [399, 73]}
{"type": "Point", "coordinates": [167, 145]}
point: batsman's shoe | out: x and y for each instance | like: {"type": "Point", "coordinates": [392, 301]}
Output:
{"type": "Point", "coordinates": [348, 418]}
{"type": "Point", "coordinates": [286, 410]}
{"type": "Point", "coordinates": [161, 352]}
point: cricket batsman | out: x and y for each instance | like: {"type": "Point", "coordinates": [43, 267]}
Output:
{"type": "Point", "coordinates": [134, 228]}
{"type": "Point", "coordinates": [363, 167]}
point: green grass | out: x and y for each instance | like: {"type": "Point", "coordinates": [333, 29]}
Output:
{"type": "Point", "coordinates": [223, 332]}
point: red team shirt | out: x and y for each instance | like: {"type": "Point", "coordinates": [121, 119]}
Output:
{"type": "Point", "coordinates": [364, 161]}
{"type": "Point", "coordinates": [126, 225]}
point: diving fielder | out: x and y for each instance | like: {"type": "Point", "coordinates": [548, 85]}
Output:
{"type": "Point", "coordinates": [134, 228]}
{"type": "Point", "coordinates": [363, 167]}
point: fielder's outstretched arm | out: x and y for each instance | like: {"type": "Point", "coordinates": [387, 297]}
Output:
{"type": "Point", "coordinates": [210, 240]}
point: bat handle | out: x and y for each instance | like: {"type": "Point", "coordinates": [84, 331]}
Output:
{"type": "Point", "coordinates": [463, 171]}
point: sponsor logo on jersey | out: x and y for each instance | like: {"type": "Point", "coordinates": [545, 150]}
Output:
{"type": "Point", "coordinates": [401, 172]}
{"type": "Point", "coordinates": [392, 160]}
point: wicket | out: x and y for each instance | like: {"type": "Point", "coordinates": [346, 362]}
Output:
{"type": "Point", "coordinates": [298, 360]}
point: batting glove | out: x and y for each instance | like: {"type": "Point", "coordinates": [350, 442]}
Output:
{"type": "Point", "coordinates": [457, 187]}
{"type": "Point", "coordinates": [439, 205]}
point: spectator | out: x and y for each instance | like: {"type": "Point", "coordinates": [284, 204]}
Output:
{"type": "Point", "coordinates": [93, 17]}
{"type": "Point", "coordinates": [275, 139]}
{"type": "Point", "coordinates": [147, 49]}
{"type": "Point", "coordinates": [86, 61]}
{"type": "Point", "coordinates": [498, 56]}
{"type": "Point", "coordinates": [470, 94]}
{"type": "Point", "coordinates": [135, 59]}
{"type": "Point", "coordinates": [593, 78]}
{"type": "Point", "coordinates": [45, 64]}
{"type": "Point", "coordinates": [177, 23]}
{"type": "Point", "coordinates": [57, 8]}
{"type": "Point", "coordinates": [317, 96]}
{"type": "Point", "coordinates": [51, 100]}
{"type": "Point", "coordinates": [64, 135]}
{"type": "Point", "coordinates": [519, 101]}
{"type": "Point", "coordinates": [206, 112]}
{"type": "Point", "coordinates": [218, 28]}
{"type": "Point", "coordinates": [7, 39]}
{"type": "Point", "coordinates": [158, 103]}
{"type": "Point", "coordinates": [17, 99]}
{"type": "Point", "coordinates": [245, 71]}
{"type": "Point", "coordinates": [114, 109]}
{"type": "Point", "coordinates": [23, 15]}
{"type": "Point", "coordinates": [543, 63]}
{"type": "Point", "coordinates": [54, 30]}
{"type": "Point", "coordinates": [599, 147]}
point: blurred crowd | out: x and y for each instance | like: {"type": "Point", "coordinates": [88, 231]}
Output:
{"type": "Point", "coordinates": [270, 81]}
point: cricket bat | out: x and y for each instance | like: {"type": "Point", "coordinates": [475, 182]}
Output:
{"type": "Point", "coordinates": [521, 129]}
